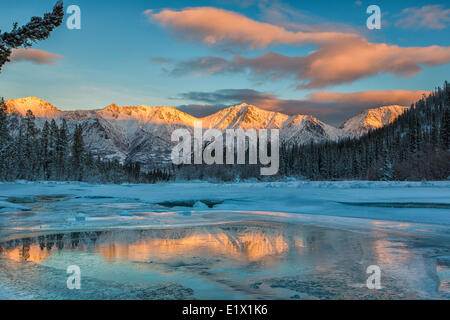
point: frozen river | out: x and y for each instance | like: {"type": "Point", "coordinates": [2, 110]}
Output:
{"type": "Point", "coordinates": [291, 240]}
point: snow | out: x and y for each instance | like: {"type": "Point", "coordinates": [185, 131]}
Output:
{"type": "Point", "coordinates": [371, 119]}
{"type": "Point", "coordinates": [39, 107]}
{"type": "Point", "coordinates": [111, 205]}
{"type": "Point", "coordinates": [200, 205]}
{"type": "Point", "coordinates": [293, 129]}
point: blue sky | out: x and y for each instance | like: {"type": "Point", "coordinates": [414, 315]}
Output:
{"type": "Point", "coordinates": [112, 58]}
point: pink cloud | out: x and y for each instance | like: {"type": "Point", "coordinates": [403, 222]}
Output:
{"type": "Point", "coordinates": [35, 56]}
{"type": "Point", "coordinates": [339, 57]}
{"type": "Point", "coordinates": [429, 17]}
{"type": "Point", "coordinates": [335, 64]}
{"type": "Point", "coordinates": [369, 98]}
{"type": "Point", "coordinates": [346, 62]}
{"type": "Point", "coordinates": [215, 26]}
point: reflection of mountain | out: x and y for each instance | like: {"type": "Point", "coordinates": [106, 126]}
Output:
{"type": "Point", "coordinates": [38, 249]}
{"type": "Point", "coordinates": [248, 246]}
{"type": "Point", "coordinates": [254, 242]}
{"type": "Point", "coordinates": [238, 243]}
{"type": "Point", "coordinates": [28, 252]}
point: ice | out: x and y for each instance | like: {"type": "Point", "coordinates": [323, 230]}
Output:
{"type": "Point", "coordinates": [251, 260]}
{"type": "Point", "coordinates": [80, 217]}
{"type": "Point", "coordinates": [402, 226]}
{"type": "Point", "coordinates": [8, 207]}
{"type": "Point", "coordinates": [200, 205]}
{"type": "Point", "coordinates": [104, 205]}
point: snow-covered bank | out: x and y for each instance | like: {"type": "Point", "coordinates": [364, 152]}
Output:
{"type": "Point", "coordinates": [286, 182]}
{"type": "Point", "coordinates": [61, 205]}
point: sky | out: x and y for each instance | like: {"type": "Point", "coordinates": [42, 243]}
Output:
{"type": "Point", "coordinates": [296, 57]}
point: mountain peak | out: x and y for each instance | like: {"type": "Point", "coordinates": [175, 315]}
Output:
{"type": "Point", "coordinates": [39, 107]}
{"type": "Point", "coordinates": [371, 119]}
{"type": "Point", "coordinates": [248, 107]}
{"type": "Point", "coordinates": [144, 113]}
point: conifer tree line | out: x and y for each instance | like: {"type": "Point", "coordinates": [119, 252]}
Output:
{"type": "Point", "coordinates": [414, 147]}
{"type": "Point", "coordinates": [54, 154]}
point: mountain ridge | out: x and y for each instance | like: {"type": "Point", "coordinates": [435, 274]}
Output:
{"type": "Point", "coordinates": [143, 133]}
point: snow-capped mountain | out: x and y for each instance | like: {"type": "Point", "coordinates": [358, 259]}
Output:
{"type": "Point", "coordinates": [143, 134]}
{"type": "Point", "coordinates": [371, 119]}
{"type": "Point", "coordinates": [293, 129]}
{"type": "Point", "coordinates": [39, 107]}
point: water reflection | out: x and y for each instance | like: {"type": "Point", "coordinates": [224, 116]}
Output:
{"type": "Point", "coordinates": [240, 243]}
{"type": "Point", "coordinates": [253, 260]}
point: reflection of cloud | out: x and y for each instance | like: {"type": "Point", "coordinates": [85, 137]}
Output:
{"type": "Point", "coordinates": [329, 106]}
{"type": "Point", "coordinates": [34, 55]}
{"type": "Point", "coordinates": [428, 17]}
{"type": "Point", "coordinates": [387, 255]}
{"type": "Point", "coordinates": [340, 57]}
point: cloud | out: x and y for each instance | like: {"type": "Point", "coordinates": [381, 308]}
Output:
{"type": "Point", "coordinates": [161, 60]}
{"type": "Point", "coordinates": [340, 63]}
{"type": "Point", "coordinates": [293, 19]}
{"type": "Point", "coordinates": [339, 58]}
{"type": "Point", "coordinates": [218, 26]}
{"type": "Point", "coordinates": [428, 17]}
{"type": "Point", "coordinates": [243, 3]}
{"type": "Point", "coordinates": [203, 66]}
{"type": "Point", "coordinates": [331, 107]}
{"type": "Point", "coordinates": [228, 96]}
{"type": "Point", "coordinates": [369, 98]}
{"type": "Point", "coordinates": [200, 110]}
{"type": "Point", "coordinates": [35, 56]}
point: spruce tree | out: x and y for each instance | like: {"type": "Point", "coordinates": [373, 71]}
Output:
{"type": "Point", "coordinates": [31, 169]}
{"type": "Point", "coordinates": [62, 151]}
{"type": "Point", "coordinates": [45, 161]}
{"type": "Point", "coordinates": [36, 30]}
{"type": "Point", "coordinates": [4, 132]}
{"type": "Point", "coordinates": [77, 153]}
{"type": "Point", "coordinates": [445, 130]}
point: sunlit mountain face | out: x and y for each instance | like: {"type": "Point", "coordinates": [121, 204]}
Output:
{"type": "Point", "coordinates": [372, 119]}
